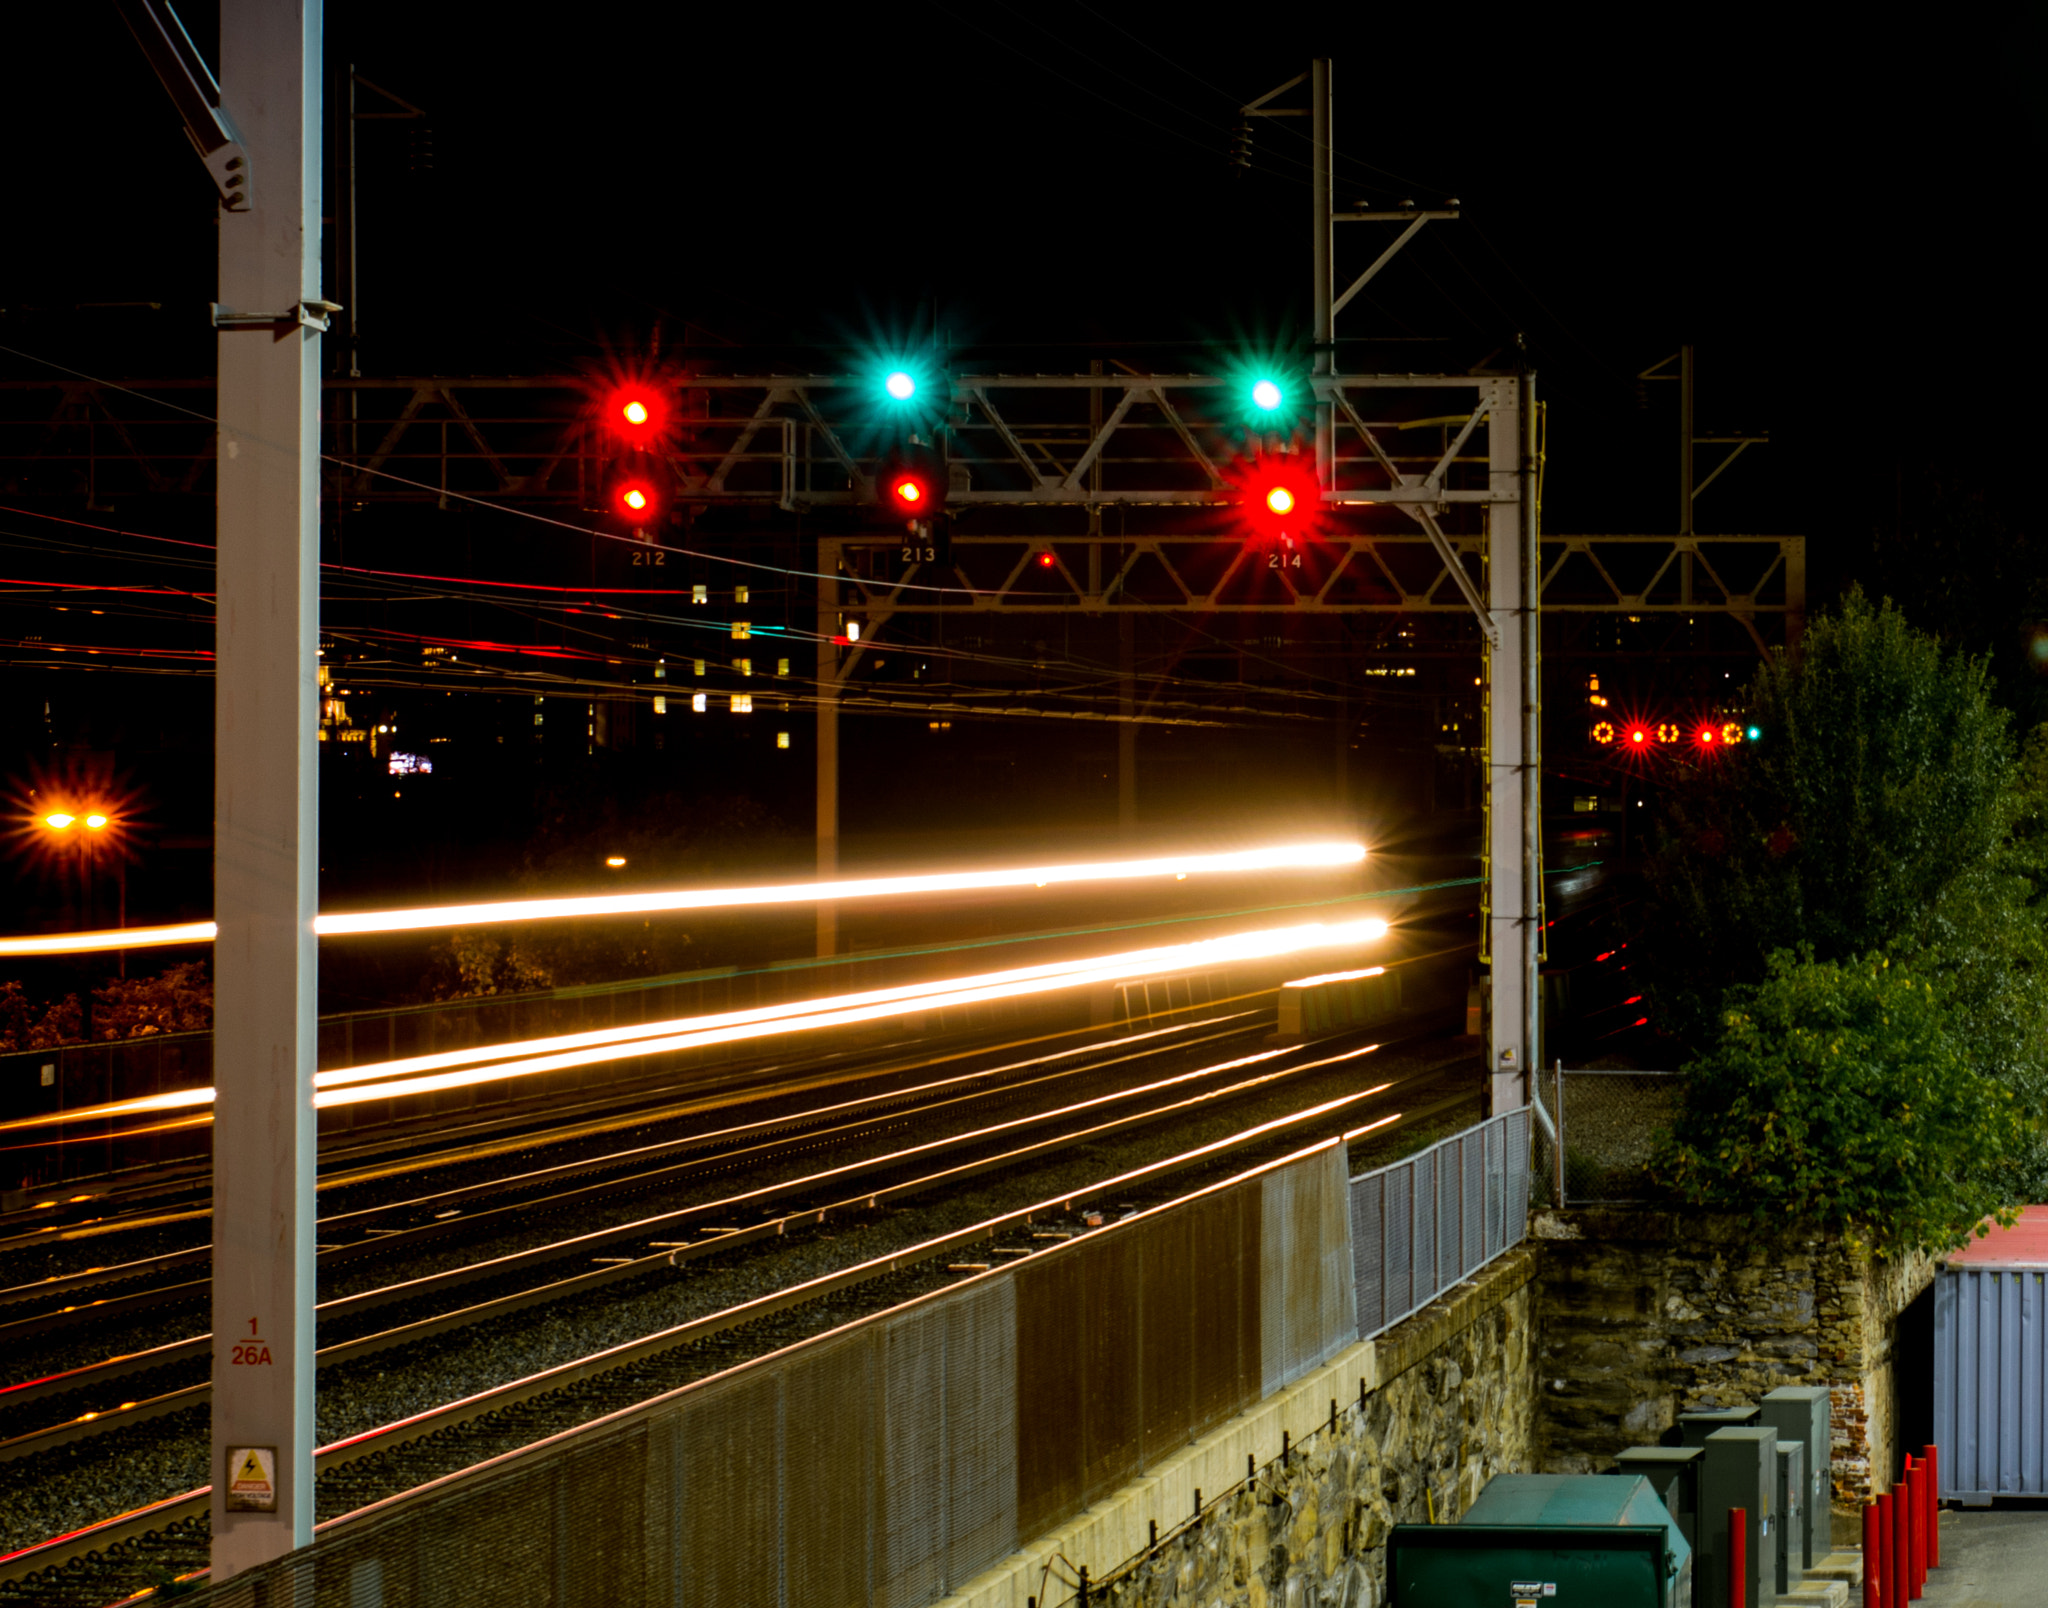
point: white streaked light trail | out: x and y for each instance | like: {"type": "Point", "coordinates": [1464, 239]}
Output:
{"type": "Point", "coordinates": [1285, 857]}
{"type": "Point", "coordinates": [459, 1068]}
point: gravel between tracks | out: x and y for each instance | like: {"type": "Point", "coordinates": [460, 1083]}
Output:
{"type": "Point", "coordinates": [75, 1485]}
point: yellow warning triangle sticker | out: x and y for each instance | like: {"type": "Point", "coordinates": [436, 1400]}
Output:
{"type": "Point", "coordinates": [252, 1469]}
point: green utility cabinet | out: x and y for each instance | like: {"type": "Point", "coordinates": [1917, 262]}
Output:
{"type": "Point", "coordinates": [1674, 1474]}
{"type": "Point", "coordinates": [1546, 1541]}
{"type": "Point", "coordinates": [1800, 1413]}
{"type": "Point", "coordinates": [1694, 1428]}
{"type": "Point", "coordinates": [1739, 1470]}
{"type": "Point", "coordinates": [1790, 1549]}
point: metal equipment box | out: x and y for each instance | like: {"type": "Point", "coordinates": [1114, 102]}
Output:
{"type": "Point", "coordinates": [1546, 1541]}
{"type": "Point", "coordinates": [1800, 1413]}
{"type": "Point", "coordinates": [1790, 1550]}
{"type": "Point", "coordinates": [1674, 1474]}
{"type": "Point", "coordinates": [1694, 1428]}
{"type": "Point", "coordinates": [1739, 1470]}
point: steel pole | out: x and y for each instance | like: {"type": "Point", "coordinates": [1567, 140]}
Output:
{"type": "Point", "coordinates": [1513, 793]}
{"type": "Point", "coordinates": [1322, 306]}
{"type": "Point", "coordinates": [265, 791]}
{"type": "Point", "coordinates": [828, 742]}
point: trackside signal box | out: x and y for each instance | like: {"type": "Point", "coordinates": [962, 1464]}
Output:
{"type": "Point", "coordinates": [1674, 1474]}
{"type": "Point", "coordinates": [1800, 1413]}
{"type": "Point", "coordinates": [1546, 1541]}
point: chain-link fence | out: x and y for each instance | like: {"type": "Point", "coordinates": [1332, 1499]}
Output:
{"type": "Point", "coordinates": [1425, 1223]}
{"type": "Point", "coordinates": [1608, 1125]}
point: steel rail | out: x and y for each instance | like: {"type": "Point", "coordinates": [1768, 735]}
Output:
{"type": "Point", "coordinates": [139, 1522]}
{"type": "Point", "coordinates": [806, 1121]}
{"type": "Point", "coordinates": [98, 1422]}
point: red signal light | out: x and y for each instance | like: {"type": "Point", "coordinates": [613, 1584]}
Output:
{"type": "Point", "coordinates": [1046, 559]}
{"type": "Point", "coordinates": [635, 497]}
{"type": "Point", "coordinates": [1280, 496]}
{"type": "Point", "coordinates": [636, 414]}
{"type": "Point", "coordinates": [908, 495]}
{"type": "Point", "coordinates": [1707, 736]}
{"type": "Point", "coordinates": [1639, 736]}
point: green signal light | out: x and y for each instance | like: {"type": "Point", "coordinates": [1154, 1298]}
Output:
{"type": "Point", "coordinates": [1266, 395]}
{"type": "Point", "coordinates": [1754, 733]}
{"type": "Point", "coordinates": [900, 385]}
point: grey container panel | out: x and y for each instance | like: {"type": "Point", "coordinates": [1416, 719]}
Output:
{"type": "Point", "coordinates": [1802, 1413]}
{"type": "Point", "coordinates": [1990, 1370]}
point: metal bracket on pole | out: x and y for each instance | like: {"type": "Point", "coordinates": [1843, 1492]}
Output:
{"type": "Point", "coordinates": [194, 94]}
{"type": "Point", "coordinates": [306, 314]}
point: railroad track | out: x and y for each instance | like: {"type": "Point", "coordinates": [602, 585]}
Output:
{"type": "Point", "coordinates": [371, 1466]}
{"type": "Point", "coordinates": [92, 1399]}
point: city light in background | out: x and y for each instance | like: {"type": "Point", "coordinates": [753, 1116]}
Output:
{"type": "Point", "coordinates": [1327, 855]}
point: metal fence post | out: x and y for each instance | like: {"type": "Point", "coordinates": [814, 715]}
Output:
{"type": "Point", "coordinates": [1558, 1101]}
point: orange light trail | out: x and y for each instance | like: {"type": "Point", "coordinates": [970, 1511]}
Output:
{"type": "Point", "coordinates": [453, 1069]}
{"type": "Point", "coordinates": [1287, 857]}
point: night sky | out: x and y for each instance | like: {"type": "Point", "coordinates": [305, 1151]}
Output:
{"type": "Point", "coordinates": [1836, 216]}
{"type": "Point", "coordinates": [1835, 210]}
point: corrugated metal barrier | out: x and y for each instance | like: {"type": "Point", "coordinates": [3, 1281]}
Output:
{"type": "Point", "coordinates": [1991, 1381]}
{"type": "Point", "coordinates": [886, 1463]}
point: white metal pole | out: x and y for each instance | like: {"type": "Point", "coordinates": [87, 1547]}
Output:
{"type": "Point", "coordinates": [1513, 814]}
{"type": "Point", "coordinates": [1322, 180]}
{"type": "Point", "coordinates": [828, 743]}
{"type": "Point", "coordinates": [265, 792]}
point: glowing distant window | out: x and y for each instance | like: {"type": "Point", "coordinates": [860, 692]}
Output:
{"type": "Point", "coordinates": [699, 702]}
{"type": "Point", "coordinates": [743, 703]}
{"type": "Point", "coordinates": [782, 739]}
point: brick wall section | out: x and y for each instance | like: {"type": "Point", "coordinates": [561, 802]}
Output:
{"type": "Point", "coordinates": [1644, 1315]}
{"type": "Point", "coordinates": [1448, 1404]}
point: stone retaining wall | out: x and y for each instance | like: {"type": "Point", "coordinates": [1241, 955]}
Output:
{"type": "Point", "coordinates": [1448, 1402]}
{"type": "Point", "coordinates": [1644, 1315]}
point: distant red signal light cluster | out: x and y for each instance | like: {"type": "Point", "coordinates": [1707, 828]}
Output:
{"type": "Point", "coordinates": [1653, 736]}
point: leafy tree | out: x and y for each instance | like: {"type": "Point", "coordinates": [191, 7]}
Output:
{"type": "Point", "coordinates": [1836, 1094]}
{"type": "Point", "coordinates": [1884, 775]}
{"type": "Point", "coordinates": [1882, 830]}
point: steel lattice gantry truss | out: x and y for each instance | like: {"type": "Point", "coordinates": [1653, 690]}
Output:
{"type": "Point", "coordinates": [1085, 494]}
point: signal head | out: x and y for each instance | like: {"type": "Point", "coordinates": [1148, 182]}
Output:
{"type": "Point", "coordinates": [901, 385]}
{"type": "Point", "coordinates": [1266, 395]}
{"type": "Point", "coordinates": [636, 414]}
{"type": "Point", "coordinates": [635, 491]}
{"type": "Point", "coordinates": [1280, 496]}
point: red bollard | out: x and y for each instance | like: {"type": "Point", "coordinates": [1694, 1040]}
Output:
{"type": "Point", "coordinates": [1881, 1561]}
{"type": "Point", "coordinates": [1738, 1557]}
{"type": "Point", "coordinates": [1900, 1580]}
{"type": "Point", "coordinates": [1930, 1459]}
{"type": "Point", "coordinates": [1873, 1546]}
{"type": "Point", "coordinates": [1916, 1530]}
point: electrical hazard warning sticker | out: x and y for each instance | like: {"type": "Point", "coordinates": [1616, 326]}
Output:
{"type": "Point", "coordinates": [252, 1479]}
{"type": "Point", "coordinates": [1530, 1593]}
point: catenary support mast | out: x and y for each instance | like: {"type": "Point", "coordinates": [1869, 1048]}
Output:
{"type": "Point", "coordinates": [265, 824]}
